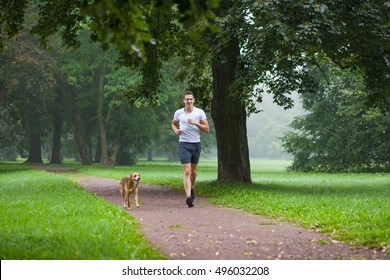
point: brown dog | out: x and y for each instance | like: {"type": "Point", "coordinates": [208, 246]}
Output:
{"type": "Point", "coordinates": [127, 186]}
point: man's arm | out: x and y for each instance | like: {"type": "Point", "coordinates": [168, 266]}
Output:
{"type": "Point", "coordinates": [203, 124]}
{"type": "Point", "coordinates": [175, 128]}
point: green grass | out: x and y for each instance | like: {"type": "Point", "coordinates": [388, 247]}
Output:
{"type": "Point", "coordinates": [46, 216]}
{"type": "Point", "coordinates": [354, 208]}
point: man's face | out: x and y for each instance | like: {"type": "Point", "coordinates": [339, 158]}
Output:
{"type": "Point", "coordinates": [189, 100]}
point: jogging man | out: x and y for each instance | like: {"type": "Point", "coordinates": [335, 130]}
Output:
{"type": "Point", "coordinates": [188, 122]}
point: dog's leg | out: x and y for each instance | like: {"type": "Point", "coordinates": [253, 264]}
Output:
{"type": "Point", "coordinates": [125, 198]}
{"type": "Point", "coordinates": [128, 200]}
{"type": "Point", "coordinates": [136, 197]}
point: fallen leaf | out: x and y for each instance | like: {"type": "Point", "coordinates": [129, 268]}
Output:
{"type": "Point", "coordinates": [251, 242]}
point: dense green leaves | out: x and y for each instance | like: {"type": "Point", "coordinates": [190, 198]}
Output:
{"type": "Point", "coordinates": [119, 22]}
{"type": "Point", "coordinates": [287, 36]}
{"type": "Point", "coordinates": [11, 18]}
{"type": "Point", "coordinates": [59, 17]}
{"type": "Point", "coordinates": [27, 79]}
{"type": "Point", "coordinates": [339, 134]}
{"type": "Point", "coordinates": [276, 43]}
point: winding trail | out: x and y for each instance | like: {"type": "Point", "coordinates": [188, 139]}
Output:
{"type": "Point", "coordinates": [211, 232]}
{"type": "Point", "coordinates": [214, 232]}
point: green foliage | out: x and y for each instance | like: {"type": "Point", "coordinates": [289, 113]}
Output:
{"type": "Point", "coordinates": [45, 216]}
{"type": "Point", "coordinates": [125, 24]}
{"type": "Point", "coordinates": [339, 134]}
{"type": "Point", "coordinates": [61, 18]}
{"type": "Point", "coordinates": [27, 79]}
{"type": "Point", "coordinates": [11, 18]}
{"type": "Point", "coordinates": [278, 39]}
{"type": "Point", "coordinates": [119, 22]}
{"type": "Point", "coordinates": [283, 37]}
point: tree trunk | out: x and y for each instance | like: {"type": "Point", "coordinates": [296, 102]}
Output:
{"type": "Point", "coordinates": [98, 152]}
{"type": "Point", "coordinates": [34, 134]}
{"type": "Point", "coordinates": [229, 116]}
{"type": "Point", "coordinates": [34, 151]}
{"type": "Point", "coordinates": [150, 155]}
{"type": "Point", "coordinates": [56, 151]}
{"type": "Point", "coordinates": [100, 118]}
{"type": "Point", "coordinates": [78, 132]}
{"type": "Point", "coordinates": [108, 156]}
{"type": "Point", "coordinates": [114, 152]}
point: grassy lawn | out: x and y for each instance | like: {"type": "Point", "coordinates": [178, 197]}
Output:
{"type": "Point", "coordinates": [46, 216]}
{"type": "Point", "coordinates": [354, 208]}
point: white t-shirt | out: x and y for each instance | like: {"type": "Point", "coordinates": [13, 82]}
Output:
{"type": "Point", "coordinates": [191, 133]}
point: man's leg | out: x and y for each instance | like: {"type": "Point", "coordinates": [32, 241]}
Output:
{"type": "Point", "coordinates": [193, 179]}
{"type": "Point", "coordinates": [187, 178]}
{"type": "Point", "coordinates": [193, 173]}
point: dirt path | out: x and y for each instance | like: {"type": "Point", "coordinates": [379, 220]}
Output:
{"type": "Point", "coordinates": [214, 232]}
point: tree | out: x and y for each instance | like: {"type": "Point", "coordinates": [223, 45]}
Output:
{"type": "Point", "coordinates": [28, 75]}
{"type": "Point", "coordinates": [339, 134]}
{"type": "Point", "coordinates": [79, 98]}
{"type": "Point", "coordinates": [270, 42]}
{"type": "Point", "coordinates": [274, 43]}
{"type": "Point", "coordinates": [108, 16]}
{"type": "Point", "coordinates": [56, 157]}
{"type": "Point", "coordinates": [228, 108]}
{"type": "Point", "coordinates": [211, 62]}
{"type": "Point", "coordinates": [291, 35]}
{"type": "Point", "coordinates": [125, 125]}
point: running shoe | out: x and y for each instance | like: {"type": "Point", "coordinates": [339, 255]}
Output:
{"type": "Point", "coordinates": [190, 201]}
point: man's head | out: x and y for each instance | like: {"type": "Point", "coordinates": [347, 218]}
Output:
{"type": "Point", "coordinates": [188, 98]}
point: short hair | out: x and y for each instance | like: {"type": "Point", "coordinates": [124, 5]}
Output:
{"type": "Point", "coordinates": [188, 92]}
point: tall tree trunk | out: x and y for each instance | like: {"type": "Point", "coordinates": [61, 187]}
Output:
{"type": "Point", "coordinates": [150, 155]}
{"type": "Point", "coordinates": [34, 134]}
{"type": "Point", "coordinates": [56, 150]}
{"type": "Point", "coordinates": [118, 134]}
{"type": "Point", "coordinates": [78, 132]}
{"type": "Point", "coordinates": [108, 156]}
{"type": "Point", "coordinates": [115, 149]}
{"type": "Point", "coordinates": [98, 152]}
{"type": "Point", "coordinates": [34, 149]}
{"type": "Point", "coordinates": [229, 116]}
{"type": "Point", "coordinates": [100, 117]}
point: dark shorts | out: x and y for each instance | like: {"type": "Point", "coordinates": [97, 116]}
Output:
{"type": "Point", "coordinates": [189, 152]}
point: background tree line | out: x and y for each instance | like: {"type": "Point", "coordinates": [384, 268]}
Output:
{"type": "Point", "coordinates": [73, 103]}
{"type": "Point", "coordinates": [226, 50]}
